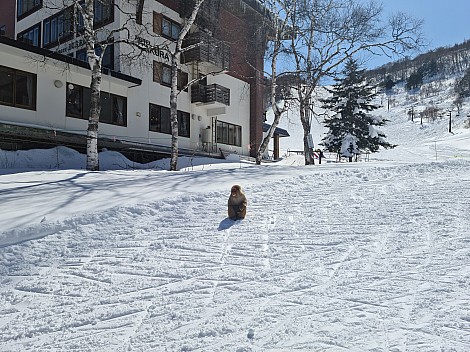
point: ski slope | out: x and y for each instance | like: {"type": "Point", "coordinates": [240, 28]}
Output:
{"type": "Point", "coordinates": [369, 256]}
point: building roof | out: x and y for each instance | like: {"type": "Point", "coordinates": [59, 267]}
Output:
{"type": "Point", "coordinates": [280, 131]}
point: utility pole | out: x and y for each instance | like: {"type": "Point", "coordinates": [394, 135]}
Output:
{"type": "Point", "coordinates": [450, 121]}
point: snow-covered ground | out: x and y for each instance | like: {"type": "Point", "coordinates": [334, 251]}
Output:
{"type": "Point", "coordinates": [368, 256]}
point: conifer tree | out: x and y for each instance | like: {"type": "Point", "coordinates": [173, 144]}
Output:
{"type": "Point", "coordinates": [352, 129]}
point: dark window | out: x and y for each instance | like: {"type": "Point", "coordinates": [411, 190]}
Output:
{"type": "Point", "coordinates": [75, 105]}
{"type": "Point", "coordinates": [160, 121]}
{"type": "Point", "coordinates": [58, 28]}
{"type": "Point", "coordinates": [113, 107]}
{"type": "Point", "coordinates": [228, 133]}
{"type": "Point", "coordinates": [108, 57]}
{"type": "Point", "coordinates": [26, 7]}
{"type": "Point", "coordinates": [166, 75]}
{"type": "Point", "coordinates": [17, 88]}
{"type": "Point", "coordinates": [182, 81]}
{"type": "Point", "coordinates": [103, 12]}
{"type": "Point", "coordinates": [183, 124]}
{"type": "Point", "coordinates": [162, 75]}
{"type": "Point", "coordinates": [170, 29]}
{"type": "Point", "coordinates": [31, 36]}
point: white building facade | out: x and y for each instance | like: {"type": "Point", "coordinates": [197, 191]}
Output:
{"type": "Point", "coordinates": [45, 79]}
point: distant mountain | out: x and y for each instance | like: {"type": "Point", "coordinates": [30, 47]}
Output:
{"type": "Point", "coordinates": [441, 63]}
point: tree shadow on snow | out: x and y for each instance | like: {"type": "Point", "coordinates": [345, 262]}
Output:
{"type": "Point", "coordinates": [225, 224]}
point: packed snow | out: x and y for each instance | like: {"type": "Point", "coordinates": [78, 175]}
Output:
{"type": "Point", "coordinates": [365, 256]}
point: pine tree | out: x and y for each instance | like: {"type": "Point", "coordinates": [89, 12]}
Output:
{"type": "Point", "coordinates": [352, 130]}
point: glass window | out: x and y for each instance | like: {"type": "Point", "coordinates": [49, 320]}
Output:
{"type": "Point", "coordinates": [57, 27]}
{"type": "Point", "coordinates": [7, 80]}
{"type": "Point", "coordinates": [154, 120]}
{"type": "Point", "coordinates": [165, 120]}
{"type": "Point", "coordinates": [103, 12]}
{"type": "Point", "coordinates": [182, 80]}
{"type": "Point", "coordinates": [166, 27]}
{"type": "Point", "coordinates": [24, 89]}
{"type": "Point", "coordinates": [106, 107]}
{"type": "Point", "coordinates": [183, 124]}
{"type": "Point", "coordinates": [160, 120]}
{"type": "Point", "coordinates": [30, 36]}
{"type": "Point", "coordinates": [228, 133]}
{"type": "Point", "coordinates": [27, 6]}
{"type": "Point", "coordinates": [17, 88]}
{"type": "Point", "coordinates": [170, 29]}
{"type": "Point", "coordinates": [108, 57]}
{"type": "Point", "coordinates": [113, 107]}
{"type": "Point", "coordinates": [119, 109]}
{"type": "Point", "coordinates": [166, 75]}
{"type": "Point", "coordinates": [175, 30]}
{"type": "Point", "coordinates": [74, 106]}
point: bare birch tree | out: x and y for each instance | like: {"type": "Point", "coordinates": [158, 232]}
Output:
{"type": "Point", "coordinates": [279, 30]}
{"type": "Point", "coordinates": [328, 32]}
{"type": "Point", "coordinates": [79, 20]}
{"type": "Point", "coordinates": [175, 60]}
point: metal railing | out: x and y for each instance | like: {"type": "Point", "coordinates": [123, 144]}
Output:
{"type": "Point", "coordinates": [206, 49]}
{"type": "Point", "coordinates": [212, 93]}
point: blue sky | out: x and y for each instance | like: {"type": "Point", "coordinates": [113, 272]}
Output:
{"type": "Point", "coordinates": [445, 22]}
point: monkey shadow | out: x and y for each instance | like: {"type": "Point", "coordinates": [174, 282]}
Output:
{"type": "Point", "coordinates": [226, 224]}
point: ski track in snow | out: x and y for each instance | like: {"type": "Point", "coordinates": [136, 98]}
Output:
{"type": "Point", "coordinates": [336, 272]}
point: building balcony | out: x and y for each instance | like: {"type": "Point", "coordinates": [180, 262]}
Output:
{"type": "Point", "coordinates": [212, 94]}
{"type": "Point", "coordinates": [206, 48]}
{"type": "Point", "coordinates": [207, 16]}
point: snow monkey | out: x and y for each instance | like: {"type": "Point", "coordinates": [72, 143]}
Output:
{"type": "Point", "coordinates": [236, 203]}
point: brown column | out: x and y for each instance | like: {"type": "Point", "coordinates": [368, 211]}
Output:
{"type": "Point", "coordinates": [276, 146]}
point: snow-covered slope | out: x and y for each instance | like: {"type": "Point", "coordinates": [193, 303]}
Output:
{"type": "Point", "coordinates": [368, 256]}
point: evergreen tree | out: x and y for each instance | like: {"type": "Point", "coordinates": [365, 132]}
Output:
{"type": "Point", "coordinates": [352, 129]}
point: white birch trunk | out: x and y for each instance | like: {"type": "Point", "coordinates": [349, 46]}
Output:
{"type": "Point", "coordinates": [175, 59]}
{"type": "Point", "coordinates": [92, 163]}
{"type": "Point", "coordinates": [276, 108]}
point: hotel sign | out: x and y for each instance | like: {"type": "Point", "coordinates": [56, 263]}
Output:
{"type": "Point", "coordinates": [155, 50]}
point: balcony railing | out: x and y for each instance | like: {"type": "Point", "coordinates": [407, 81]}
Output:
{"type": "Point", "coordinates": [206, 49]}
{"type": "Point", "coordinates": [207, 16]}
{"type": "Point", "coordinates": [212, 93]}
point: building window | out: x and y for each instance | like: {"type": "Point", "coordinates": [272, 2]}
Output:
{"type": "Point", "coordinates": [160, 121]}
{"type": "Point", "coordinates": [162, 75]}
{"type": "Point", "coordinates": [166, 75]}
{"type": "Point", "coordinates": [113, 107]}
{"type": "Point", "coordinates": [108, 57]}
{"type": "Point", "coordinates": [183, 80]}
{"type": "Point", "coordinates": [75, 105]}
{"type": "Point", "coordinates": [103, 12]}
{"type": "Point", "coordinates": [228, 133]}
{"type": "Point", "coordinates": [183, 124]}
{"type": "Point", "coordinates": [57, 28]}
{"type": "Point", "coordinates": [31, 36]}
{"type": "Point", "coordinates": [17, 88]}
{"type": "Point", "coordinates": [26, 7]}
{"type": "Point", "coordinates": [165, 27]}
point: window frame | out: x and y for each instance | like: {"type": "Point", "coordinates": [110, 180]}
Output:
{"type": "Point", "coordinates": [52, 31]}
{"type": "Point", "coordinates": [37, 27]}
{"type": "Point", "coordinates": [108, 57]}
{"type": "Point", "coordinates": [34, 8]}
{"type": "Point", "coordinates": [158, 76]}
{"type": "Point", "coordinates": [228, 133]}
{"type": "Point", "coordinates": [172, 35]}
{"type": "Point", "coordinates": [14, 89]}
{"type": "Point", "coordinates": [108, 105]}
{"type": "Point", "coordinates": [163, 125]}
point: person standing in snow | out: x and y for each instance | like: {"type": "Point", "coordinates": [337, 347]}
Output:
{"type": "Point", "coordinates": [237, 203]}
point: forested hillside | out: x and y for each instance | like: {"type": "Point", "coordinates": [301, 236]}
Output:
{"type": "Point", "coordinates": [440, 63]}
